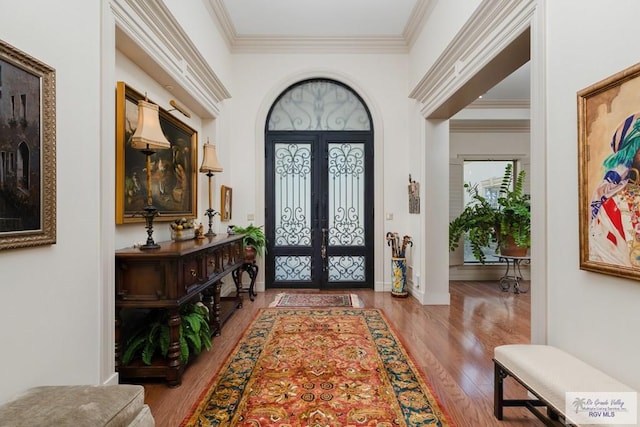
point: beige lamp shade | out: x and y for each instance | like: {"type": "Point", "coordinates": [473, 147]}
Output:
{"type": "Point", "coordinates": [148, 134]}
{"type": "Point", "coordinates": [210, 161]}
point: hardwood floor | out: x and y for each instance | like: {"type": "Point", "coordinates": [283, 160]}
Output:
{"type": "Point", "coordinates": [451, 345]}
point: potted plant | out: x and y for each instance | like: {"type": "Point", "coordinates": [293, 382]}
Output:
{"type": "Point", "coordinates": [254, 239]}
{"type": "Point", "coordinates": [150, 335]}
{"type": "Point", "coordinates": [508, 222]}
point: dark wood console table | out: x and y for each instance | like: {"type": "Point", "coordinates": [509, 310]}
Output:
{"type": "Point", "coordinates": [168, 277]}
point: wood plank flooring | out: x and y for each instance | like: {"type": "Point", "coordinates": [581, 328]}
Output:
{"type": "Point", "coordinates": [451, 345]}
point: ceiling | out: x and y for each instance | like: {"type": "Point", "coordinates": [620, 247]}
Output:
{"type": "Point", "coordinates": [327, 18]}
{"type": "Point", "coordinates": [390, 24]}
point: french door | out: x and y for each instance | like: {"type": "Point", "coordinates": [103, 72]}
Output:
{"type": "Point", "coordinates": [319, 209]}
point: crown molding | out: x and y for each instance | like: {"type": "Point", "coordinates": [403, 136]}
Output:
{"type": "Point", "coordinates": [259, 43]}
{"type": "Point", "coordinates": [493, 126]}
{"type": "Point", "coordinates": [156, 34]}
{"type": "Point", "coordinates": [219, 13]}
{"type": "Point", "coordinates": [493, 26]}
{"type": "Point", "coordinates": [421, 12]}
{"type": "Point", "coordinates": [500, 103]}
{"type": "Point", "coordinates": [328, 44]}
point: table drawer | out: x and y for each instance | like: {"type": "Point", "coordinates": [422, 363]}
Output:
{"type": "Point", "coordinates": [192, 273]}
{"type": "Point", "coordinates": [144, 281]}
{"type": "Point", "coordinates": [213, 262]}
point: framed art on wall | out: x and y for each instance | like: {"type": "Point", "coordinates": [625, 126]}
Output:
{"type": "Point", "coordinates": [609, 175]}
{"type": "Point", "coordinates": [27, 150]}
{"type": "Point", "coordinates": [226, 199]}
{"type": "Point", "coordinates": [173, 171]}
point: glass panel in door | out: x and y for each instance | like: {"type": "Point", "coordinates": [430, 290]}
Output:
{"type": "Point", "coordinates": [346, 212]}
{"type": "Point", "coordinates": [292, 212]}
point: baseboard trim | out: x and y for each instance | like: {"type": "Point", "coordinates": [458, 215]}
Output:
{"type": "Point", "coordinates": [112, 380]}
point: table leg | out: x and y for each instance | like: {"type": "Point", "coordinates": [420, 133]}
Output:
{"type": "Point", "coordinates": [174, 363]}
{"type": "Point", "coordinates": [252, 270]}
{"type": "Point", "coordinates": [117, 348]}
{"type": "Point", "coordinates": [211, 298]}
{"type": "Point", "coordinates": [518, 277]}
{"type": "Point", "coordinates": [253, 274]}
{"type": "Point", "coordinates": [237, 280]}
{"type": "Point", "coordinates": [505, 280]}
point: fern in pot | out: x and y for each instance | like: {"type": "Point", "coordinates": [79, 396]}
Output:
{"type": "Point", "coordinates": [254, 239]}
{"type": "Point", "coordinates": [150, 336]}
{"type": "Point", "coordinates": [508, 222]}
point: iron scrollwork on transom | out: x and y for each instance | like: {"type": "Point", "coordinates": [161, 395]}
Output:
{"type": "Point", "coordinates": [319, 105]}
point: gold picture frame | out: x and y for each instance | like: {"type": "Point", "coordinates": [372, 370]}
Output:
{"type": "Point", "coordinates": [174, 171]}
{"type": "Point", "coordinates": [27, 150]}
{"type": "Point", "coordinates": [226, 203]}
{"type": "Point", "coordinates": [609, 175]}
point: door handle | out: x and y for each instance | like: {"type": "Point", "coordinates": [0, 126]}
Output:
{"type": "Point", "coordinates": [323, 249]}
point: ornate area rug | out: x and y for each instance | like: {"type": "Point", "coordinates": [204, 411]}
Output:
{"type": "Point", "coordinates": [315, 367]}
{"type": "Point", "coordinates": [316, 300]}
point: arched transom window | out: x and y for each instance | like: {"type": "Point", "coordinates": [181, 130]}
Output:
{"type": "Point", "coordinates": [319, 105]}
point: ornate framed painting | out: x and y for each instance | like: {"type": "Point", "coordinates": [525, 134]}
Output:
{"type": "Point", "coordinates": [27, 150]}
{"type": "Point", "coordinates": [173, 171]}
{"type": "Point", "coordinates": [609, 175]}
{"type": "Point", "coordinates": [226, 205]}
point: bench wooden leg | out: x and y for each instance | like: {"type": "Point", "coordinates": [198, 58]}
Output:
{"type": "Point", "coordinates": [498, 388]}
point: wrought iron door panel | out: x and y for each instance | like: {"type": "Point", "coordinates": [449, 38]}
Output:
{"type": "Point", "coordinates": [293, 268]}
{"type": "Point", "coordinates": [292, 214]}
{"type": "Point", "coordinates": [347, 268]}
{"type": "Point", "coordinates": [319, 188]}
{"type": "Point", "coordinates": [345, 204]}
{"type": "Point", "coordinates": [293, 194]}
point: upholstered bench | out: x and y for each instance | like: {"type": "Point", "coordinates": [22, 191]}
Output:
{"type": "Point", "coordinates": [90, 406]}
{"type": "Point", "coordinates": [547, 372]}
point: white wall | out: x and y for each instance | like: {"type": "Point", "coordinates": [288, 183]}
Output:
{"type": "Point", "coordinates": [198, 23]}
{"type": "Point", "coordinates": [490, 144]}
{"type": "Point", "coordinates": [443, 23]}
{"type": "Point", "coordinates": [591, 315]}
{"type": "Point", "coordinates": [379, 79]}
{"type": "Point", "coordinates": [50, 295]}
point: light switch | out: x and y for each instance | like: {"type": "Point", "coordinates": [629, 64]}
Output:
{"type": "Point", "coordinates": [251, 217]}
{"type": "Point", "coordinates": [389, 216]}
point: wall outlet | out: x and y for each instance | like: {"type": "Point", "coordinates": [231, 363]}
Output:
{"type": "Point", "coordinates": [251, 217]}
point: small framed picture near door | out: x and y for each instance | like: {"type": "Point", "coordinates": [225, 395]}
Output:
{"type": "Point", "coordinates": [226, 198]}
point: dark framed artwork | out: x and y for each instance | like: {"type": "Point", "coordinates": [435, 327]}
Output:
{"type": "Point", "coordinates": [27, 150]}
{"type": "Point", "coordinates": [226, 203]}
{"type": "Point", "coordinates": [173, 171]}
{"type": "Point", "coordinates": [609, 175]}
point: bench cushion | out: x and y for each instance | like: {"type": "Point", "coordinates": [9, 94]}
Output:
{"type": "Point", "coordinates": [551, 372]}
{"type": "Point", "coordinates": [112, 406]}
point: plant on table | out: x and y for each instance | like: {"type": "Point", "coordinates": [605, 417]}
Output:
{"type": "Point", "coordinates": [483, 223]}
{"type": "Point", "coordinates": [253, 237]}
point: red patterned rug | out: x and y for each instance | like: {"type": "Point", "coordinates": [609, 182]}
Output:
{"type": "Point", "coordinates": [318, 367]}
{"type": "Point", "coordinates": [316, 300]}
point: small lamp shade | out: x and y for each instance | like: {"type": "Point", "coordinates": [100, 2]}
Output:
{"type": "Point", "coordinates": [148, 134]}
{"type": "Point", "coordinates": [210, 161]}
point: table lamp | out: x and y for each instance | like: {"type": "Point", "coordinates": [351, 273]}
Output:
{"type": "Point", "coordinates": [210, 164]}
{"type": "Point", "coordinates": [148, 138]}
